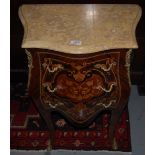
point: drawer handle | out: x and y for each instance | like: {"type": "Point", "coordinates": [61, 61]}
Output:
{"type": "Point", "coordinates": [107, 106]}
{"type": "Point", "coordinates": [50, 67]}
{"type": "Point", "coordinates": [104, 67]}
{"type": "Point", "coordinates": [51, 90]}
{"type": "Point", "coordinates": [54, 106]}
{"type": "Point", "coordinates": [54, 69]}
{"type": "Point", "coordinates": [107, 90]}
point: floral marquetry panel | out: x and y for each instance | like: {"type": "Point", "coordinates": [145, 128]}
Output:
{"type": "Point", "coordinates": [78, 86]}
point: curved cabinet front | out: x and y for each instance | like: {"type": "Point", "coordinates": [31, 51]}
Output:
{"type": "Point", "coordinates": [79, 86]}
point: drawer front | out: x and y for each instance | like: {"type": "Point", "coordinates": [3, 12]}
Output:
{"type": "Point", "coordinates": [79, 87]}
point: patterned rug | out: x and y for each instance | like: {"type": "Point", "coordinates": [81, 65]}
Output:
{"type": "Point", "coordinates": [29, 131]}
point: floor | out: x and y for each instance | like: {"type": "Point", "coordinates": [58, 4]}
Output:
{"type": "Point", "coordinates": [137, 125]}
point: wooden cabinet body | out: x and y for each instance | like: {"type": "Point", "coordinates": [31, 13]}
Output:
{"type": "Point", "coordinates": [80, 86]}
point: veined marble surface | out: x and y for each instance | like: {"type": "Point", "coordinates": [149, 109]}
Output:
{"type": "Point", "coordinates": [79, 28]}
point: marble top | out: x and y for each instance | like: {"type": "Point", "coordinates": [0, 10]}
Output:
{"type": "Point", "coordinates": [79, 28]}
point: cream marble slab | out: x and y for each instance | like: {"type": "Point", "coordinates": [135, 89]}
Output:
{"type": "Point", "coordinates": [79, 28]}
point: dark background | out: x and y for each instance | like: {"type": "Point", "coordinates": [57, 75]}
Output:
{"type": "Point", "coordinates": [18, 58]}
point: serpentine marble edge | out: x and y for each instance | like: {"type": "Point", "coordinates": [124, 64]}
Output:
{"type": "Point", "coordinates": [79, 28]}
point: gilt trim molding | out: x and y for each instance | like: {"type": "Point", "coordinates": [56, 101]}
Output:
{"type": "Point", "coordinates": [127, 64]}
{"type": "Point", "coordinates": [30, 66]}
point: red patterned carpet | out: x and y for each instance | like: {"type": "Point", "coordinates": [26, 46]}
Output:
{"type": "Point", "coordinates": [29, 132]}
